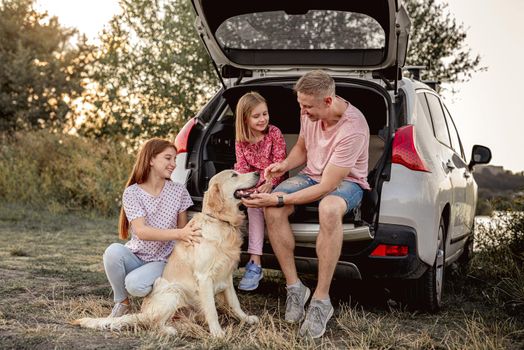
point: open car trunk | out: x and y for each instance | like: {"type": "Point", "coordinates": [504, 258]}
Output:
{"type": "Point", "coordinates": [273, 34]}
{"type": "Point", "coordinates": [217, 153]}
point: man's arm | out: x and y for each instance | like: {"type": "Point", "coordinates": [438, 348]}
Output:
{"type": "Point", "coordinates": [331, 178]}
{"type": "Point", "coordinates": [278, 153]}
{"type": "Point", "coordinates": [297, 156]}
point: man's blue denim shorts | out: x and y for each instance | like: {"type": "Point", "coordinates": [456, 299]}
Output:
{"type": "Point", "coordinates": [349, 191]}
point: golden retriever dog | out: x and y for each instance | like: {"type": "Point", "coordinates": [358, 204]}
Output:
{"type": "Point", "coordinates": [194, 275]}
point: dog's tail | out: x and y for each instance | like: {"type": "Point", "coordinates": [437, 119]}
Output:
{"type": "Point", "coordinates": [157, 309]}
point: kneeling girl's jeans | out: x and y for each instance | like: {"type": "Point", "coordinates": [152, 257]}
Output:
{"type": "Point", "coordinates": [128, 274]}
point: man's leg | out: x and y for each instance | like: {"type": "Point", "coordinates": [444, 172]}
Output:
{"type": "Point", "coordinates": [332, 208]}
{"type": "Point", "coordinates": [282, 240]}
{"type": "Point", "coordinates": [329, 242]}
{"type": "Point", "coordinates": [279, 230]}
{"type": "Point", "coordinates": [283, 244]}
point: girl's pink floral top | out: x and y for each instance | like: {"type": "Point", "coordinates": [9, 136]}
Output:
{"type": "Point", "coordinates": [258, 156]}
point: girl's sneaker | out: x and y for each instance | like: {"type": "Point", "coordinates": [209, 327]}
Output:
{"type": "Point", "coordinates": [251, 277]}
{"type": "Point", "coordinates": [120, 309]}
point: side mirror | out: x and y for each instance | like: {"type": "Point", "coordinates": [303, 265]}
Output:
{"type": "Point", "coordinates": [479, 155]}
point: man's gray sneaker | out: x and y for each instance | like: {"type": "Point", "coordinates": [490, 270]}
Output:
{"type": "Point", "coordinates": [119, 309]}
{"type": "Point", "coordinates": [317, 317]}
{"type": "Point", "coordinates": [295, 301]}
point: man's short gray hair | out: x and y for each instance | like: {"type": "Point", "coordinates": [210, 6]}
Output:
{"type": "Point", "coordinates": [316, 83]}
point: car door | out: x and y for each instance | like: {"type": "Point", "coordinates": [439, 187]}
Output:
{"type": "Point", "coordinates": [453, 169]}
{"type": "Point", "coordinates": [469, 203]}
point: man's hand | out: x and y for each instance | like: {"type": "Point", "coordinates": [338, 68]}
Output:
{"type": "Point", "coordinates": [275, 170]}
{"type": "Point", "coordinates": [259, 200]}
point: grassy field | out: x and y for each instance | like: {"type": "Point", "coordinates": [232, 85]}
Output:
{"type": "Point", "coordinates": [51, 273]}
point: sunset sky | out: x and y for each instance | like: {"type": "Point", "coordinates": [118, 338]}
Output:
{"type": "Point", "coordinates": [486, 109]}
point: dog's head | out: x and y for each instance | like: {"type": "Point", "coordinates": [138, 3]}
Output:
{"type": "Point", "coordinates": [222, 199]}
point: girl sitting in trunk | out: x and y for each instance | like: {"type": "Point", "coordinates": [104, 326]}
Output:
{"type": "Point", "coordinates": [258, 144]}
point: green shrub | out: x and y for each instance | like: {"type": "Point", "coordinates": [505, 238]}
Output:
{"type": "Point", "coordinates": [63, 172]}
{"type": "Point", "coordinates": [484, 207]}
{"type": "Point", "coordinates": [503, 237]}
{"type": "Point", "coordinates": [499, 258]}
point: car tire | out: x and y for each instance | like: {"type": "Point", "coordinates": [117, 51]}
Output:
{"type": "Point", "coordinates": [426, 291]}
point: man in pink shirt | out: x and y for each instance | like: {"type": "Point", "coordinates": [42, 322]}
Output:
{"type": "Point", "coordinates": [333, 143]}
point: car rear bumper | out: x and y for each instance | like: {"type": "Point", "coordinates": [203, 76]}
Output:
{"type": "Point", "coordinates": [403, 267]}
{"type": "Point", "coordinates": [355, 261]}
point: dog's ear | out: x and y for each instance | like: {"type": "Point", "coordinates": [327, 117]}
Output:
{"type": "Point", "coordinates": [214, 200]}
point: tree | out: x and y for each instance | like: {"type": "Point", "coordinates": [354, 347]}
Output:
{"type": "Point", "coordinates": [152, 72]}
{"type": "Point", "coordinates": [41, 73]}
{"type": "Point", "coordinates": [438, 42]}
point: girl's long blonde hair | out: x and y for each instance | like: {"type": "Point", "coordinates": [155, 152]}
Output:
{"type": "Point", "coordinates": [140, 173]}
{"type": "Point", "coordinates": [245, 106]}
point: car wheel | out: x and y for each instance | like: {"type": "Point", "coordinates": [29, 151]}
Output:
{"type": "Point", "coordinates": [426, 293]}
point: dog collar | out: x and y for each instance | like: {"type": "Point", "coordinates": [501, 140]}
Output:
{"type": "Point", "coordinates": [211, 216]}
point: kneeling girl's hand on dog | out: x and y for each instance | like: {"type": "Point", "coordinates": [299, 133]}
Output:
{"type": "Point", "coordinates": [190, 234]}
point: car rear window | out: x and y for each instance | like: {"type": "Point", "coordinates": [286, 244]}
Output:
{"type": "Point", "coordinates": [314, 30]}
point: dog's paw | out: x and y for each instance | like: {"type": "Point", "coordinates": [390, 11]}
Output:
{"type": "Point", "coordinates": [95, 323]}
{"type": "Point", "coordinates": [169, 330]}
{"type": "Point", "coordinates": [217, 332]}
{"type": "Point", "coordinates": [252, 319]}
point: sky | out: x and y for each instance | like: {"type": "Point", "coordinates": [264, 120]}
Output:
{"type": "Point", "coordinates": [89, 16]}
{"type": "Point", "coordinates": [486, 109]}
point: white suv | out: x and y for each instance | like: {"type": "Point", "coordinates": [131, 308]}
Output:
{"type": "Point", "coordinates": [418, 216]}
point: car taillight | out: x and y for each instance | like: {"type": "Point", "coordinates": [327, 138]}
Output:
{"type": "Point", "coordinates": [404, 150]}
{"type": "Point", "coordinates": [390, 250]}
{"type": "Point", "coordinates": [183, 136]}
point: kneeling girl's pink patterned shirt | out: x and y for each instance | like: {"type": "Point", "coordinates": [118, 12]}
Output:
{"type": "Point", "coordinates": [160, 212]}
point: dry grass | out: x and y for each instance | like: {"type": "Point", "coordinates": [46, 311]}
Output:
{"type": "Point", "coordinates": [52, 273]}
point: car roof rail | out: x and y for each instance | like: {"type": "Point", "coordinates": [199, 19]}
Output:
{"type": "Point", "coordinates": [415, 71]}
{"type": "Point", "coordinates": [433, 84]}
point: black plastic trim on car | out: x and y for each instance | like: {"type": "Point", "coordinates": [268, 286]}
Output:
{"type": "Point", "coordinates": [405, 267]}
{"type": "Point", "coordinates": [306, 265]}
{"type": "Point", "coordinates": [460, 238]}
{"type": "Point", "coordinates": [217, 105]}
{"type": "Point", "coordinates": [366, 58]}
